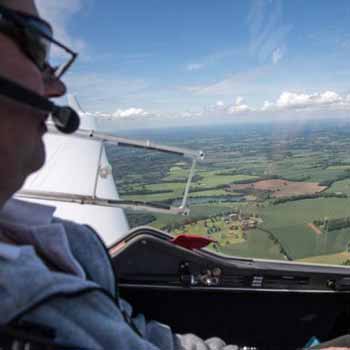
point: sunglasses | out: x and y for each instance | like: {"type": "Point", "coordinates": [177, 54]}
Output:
{"type": "Point", "coordinates": [34, 36]}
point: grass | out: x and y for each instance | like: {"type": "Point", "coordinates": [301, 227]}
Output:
{"type": "Point", "coordinates": [252, 157]}
{"type": "Point", "coordinates": [316, 174]}
{"type": "Point", "coordinates": [258, 245]}
{"type": "Point", "coordinates": [177, 172]}
{"type": "Point", "coordinates": [341, 186]}
{"type": "Point", "coordinates": [289, 223]}
{"type": "Point", "coordinates": [210, 179]}
{"type": "Point", "coordinates": [331, 259]}
{"type": "Point", "coordinates": [159, 197]}
{"type": "Point", "coordinates": [339, 167]}
{"type": "Point", "coordinates": [177, 189]}
{"type": "Point", "coordinates": [304, 166]}
{"type": "Point", "coordinates": [224, 236]}
{"type": "Point", "coordinates": [212, 193]}
{"type": "Point", "coordinates": [197, 212]}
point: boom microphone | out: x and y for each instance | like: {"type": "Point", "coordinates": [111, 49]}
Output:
{"type": "Point", "coordinates": [66, 119]}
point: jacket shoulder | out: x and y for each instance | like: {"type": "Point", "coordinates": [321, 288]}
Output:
{"type": "Point", "coordinates": [90, 251]}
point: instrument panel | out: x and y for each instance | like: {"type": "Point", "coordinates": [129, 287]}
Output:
{"type": "Point", "coordinates": [148, 258]}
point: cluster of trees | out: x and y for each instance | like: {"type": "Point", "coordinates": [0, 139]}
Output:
{"type": "Point", "coordinates": [189, 221]}
{"type": "Point", "coordinates": [202, 189]}
{"type": "Point", "coordinates": [333, 224]}
{"type": "Point", "coordinates": [337, 163]}
{"type": "Point", "coordinates": [309, 196]}
{"type": "Point", "coordinates": [297, 179]}
{"type": "Point", "coordinates": [262, 178]}
{"type": "Point", "coordinates": [136, 220]}
{"type": "Point", "coordinates": [211, 219]}
{"type": "Point", "coordinates": [337, 224]}
{"type": "Point", "coordinates": [341, 177]}
{"type": "Point", "coordinates": [272, 177]}
{"type": "Point", "coordinates": [229, 173]}
{"type": "Point", "coordinates": [213, 229]}
{"type": "Point", "coordinates": [172, 227]}
{"type": "Point", "coordinates": [144, 192]}
{"type": "Point", "coordinates": [197, 178]}
{"type": "Point", "coordinates": [318, 222]}
{"type": "Point", "coordinates": [177, 180]}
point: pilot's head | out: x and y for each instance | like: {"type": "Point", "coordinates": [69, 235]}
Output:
{"type": "Point", "coordinates": [23, 60]}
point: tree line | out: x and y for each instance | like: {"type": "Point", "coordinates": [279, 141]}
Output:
{"type": "Point", "coordinates": [309, 196]}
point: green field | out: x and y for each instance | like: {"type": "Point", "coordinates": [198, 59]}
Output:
{"type": "Point", "coordinates": [210, 179]}
{"type": "Point", "coordinates": [313, 154]}
{"type": "Point", "coordinates": [289, 223]}
{"type": "Point", "coordinates": [258, 245]}
{"type": "Point", "coordinates": [176, 189]}
{"type": "Point", "coordinates": [177, 172]}
{"type": "Point", "coordinates": [331, 259]}
{"type": "Point", "coordinates": [224, 235]}
{"type": "Point", "coordinates": [339, 167]}
{"type": "Point", "coordinates": [341, 186]}
{"type": "Point", "coordinates": [212, 193]}
{"type": "Point", "coordinates": [197, 213]}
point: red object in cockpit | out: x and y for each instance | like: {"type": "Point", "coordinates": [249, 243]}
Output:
{"type": "Point", "coordinates": [192, 241]}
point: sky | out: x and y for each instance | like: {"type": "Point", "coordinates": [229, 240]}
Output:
{"type": "Point", "coordinates": [182, 62]}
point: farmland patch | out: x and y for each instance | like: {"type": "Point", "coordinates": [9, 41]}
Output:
{"type": "Point", "coordinates": [281, 188]}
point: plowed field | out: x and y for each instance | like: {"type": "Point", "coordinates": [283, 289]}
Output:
{"type": "Point", "coordinates": [282, 188]}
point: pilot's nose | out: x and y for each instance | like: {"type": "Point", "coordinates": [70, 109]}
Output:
{"type": "Point", "coordinates": [55, 88]}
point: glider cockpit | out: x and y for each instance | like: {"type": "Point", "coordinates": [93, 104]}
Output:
{"type": "Point", "coordinates": [260, 304]}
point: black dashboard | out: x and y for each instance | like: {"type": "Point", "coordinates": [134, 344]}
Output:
{"type": "Point", "coordinates": [148, 257]}
{"type": "Point", "coordinates": [261, 304]}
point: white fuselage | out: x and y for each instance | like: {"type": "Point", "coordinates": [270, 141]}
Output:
{"type": "Point", "coordinates": [71, 167]}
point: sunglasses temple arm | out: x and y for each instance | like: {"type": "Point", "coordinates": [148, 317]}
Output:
{"type": "Point", "coordinates": [61, 70]}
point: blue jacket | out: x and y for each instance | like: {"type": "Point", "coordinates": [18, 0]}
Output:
{"type": "Point", "coordinates": [85, 312]}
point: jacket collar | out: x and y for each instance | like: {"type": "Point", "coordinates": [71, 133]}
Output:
{"type": "Point", "coordinates": [28, 214]}
{"type": "Point", "coordinates": [31, 224]}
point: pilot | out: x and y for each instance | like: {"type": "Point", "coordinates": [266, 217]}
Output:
{"type": "Point", "coordinates": [58, 289]}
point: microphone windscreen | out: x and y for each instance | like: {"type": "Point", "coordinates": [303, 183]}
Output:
{"type": "Point", "coordinates": [66, 119]}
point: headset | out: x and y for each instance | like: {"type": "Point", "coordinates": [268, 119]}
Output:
{"type": "Point", "coordinates": [65, 118]}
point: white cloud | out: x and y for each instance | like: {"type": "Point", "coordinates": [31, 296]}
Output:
{"type": "Point", "coordinates": [105, 91]}
{"type": "Point", "coordinates": [268, 30]}
{"type": "Point", "coordinates": [292, 100]}
{"type": "Point", "coordinates": [239, 83]}
{"type": "Point", "coordinates": [189, 115]}
{"type": "Point", "coordinates": [213, 59]}
{"type": "Point", "coordinates": [287, 106]}
{"type": "Point", "coordinates": [267, 106]}
{"type": "Point", "coordinates": [287, 102]}
{"type": "Point", "coordinates": [59, 13]}
{"type": "Point", "coordinates": [277, 55]}
{"type": "Point", "coordinates": [130, 112]}
{"type": "Point", "coordinates": [220, 109]}
{"type": "Point", "coordinates": [239, 100]}
{"type": "Point", "coordinates": [195, 66]}
{"type": "Point", "coordinates": [239, 107]}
